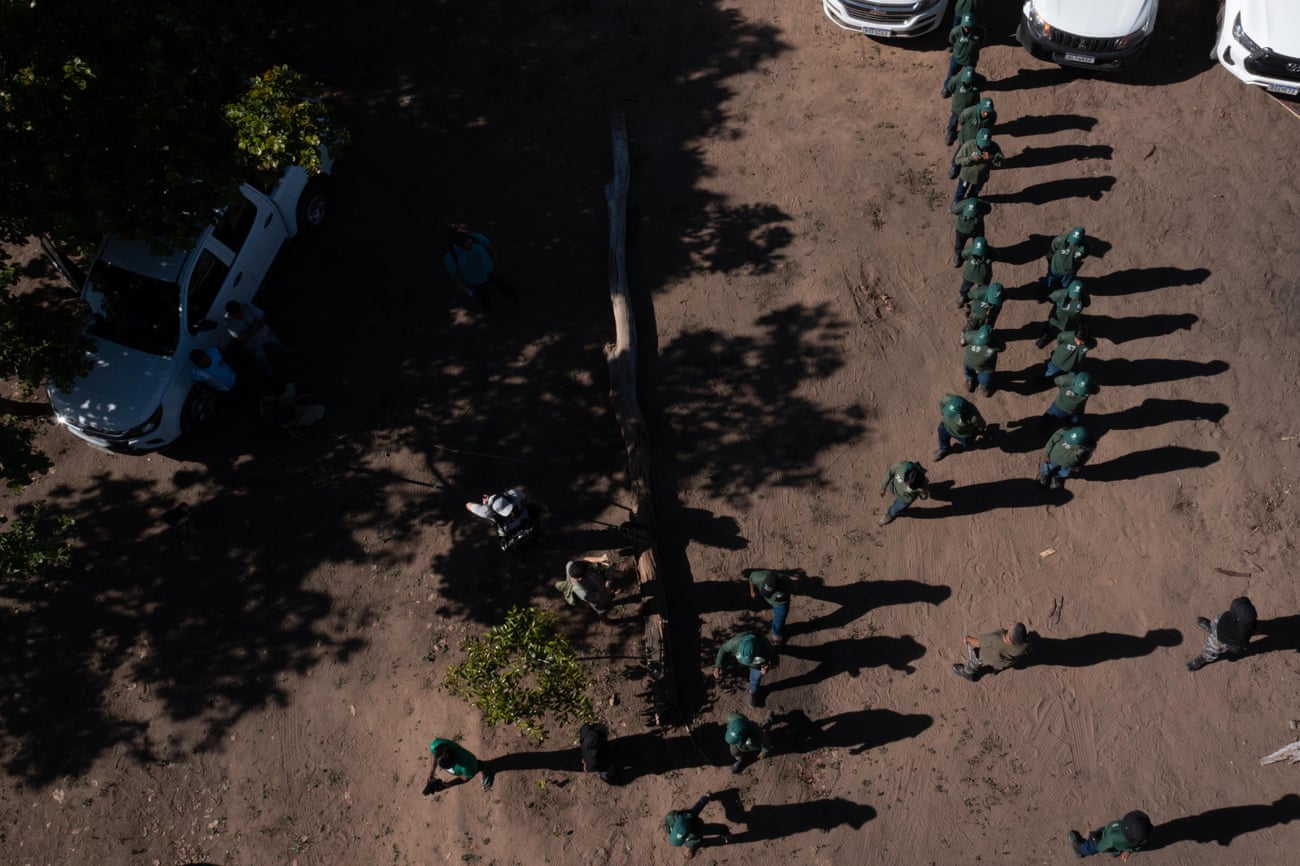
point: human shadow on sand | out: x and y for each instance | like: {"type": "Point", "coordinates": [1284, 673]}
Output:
{"type": "Point", "coordinates": [1155, 411]}
{"type": "Point", "coordinates": [1276, 635]}
{"type": "Point", "coordinates": [1224, 825]}
{"type": "Point", "coordinates": [846, 656]}
{"type": "Point", "coordinates": [1032, 157]}
{"type": "Point", "coordinates": [857, 731]}
{"type": "Point", "coordinates": [1134, 280]}
{"type": "Point", "coordinates": [764, 822]}
{"type": "Point", "coordinates": [1149, 371]}
{"type": "Point", "coordinates": [1044, 124]}
{"type": "Point", "coordinates": [634, 756]}
{"type": "Point", "coordinates": [1152, 461]}
{"type": "Point", "coordinates": [1093, 649]}
{"type": "Point", "coordinates": [989, 496]}
{"type": "Point", "coordinates": [1126, 329]}
{"type": "Point", "coordinates": [856, 599]}
{"type": "Point", "coordinates": [1041, 193]}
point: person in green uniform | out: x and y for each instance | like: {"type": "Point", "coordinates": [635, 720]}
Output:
{"type": "Point", "coordinates": [970, 223]}
{"type": "Point", "coordinates": [981, 115]}
{"type": "Point", "coordinates": [906, 480]}
{"type": "Point", "coordinates": [976, 158]}
{"type": "Point", "coordinates": [775, 588]}
{"type": "Point", "coordinates": [746, 740]}
{"type": "Point", "coordinates": [977, 270]}
{"type": "Point", "coordinates": [455, 761]}
{"type": "Point", "coordinates": [966, 7]}
{"type": "Point", "coordinates": [1073, 391]}
{"type": "Point", "coordinates": [985, 305]}
{"type": "Point", "coordinates": [752, 652]}
{"type": "Point", "coordinates": [684, 827]}
{"type": "Point", "coordinates": [1067, 309]}
{"type": "Point", "coordinates": [1121, 837]}
{"type": "Point", "coordinates": [966, 39]}
{"type": "Point", "coordinates": [1071, 348]}
{"type": "Point", "coordinates": [1068, 252]}
{"type": "Point", "coordinates": [965, 88]}
{"type": "Point", "coordinates": [959, 422]}
{"type": "Point", "coordinates": [996, 651]}
{"type": "Point", "coordinates": [981, 359]}
{"type": "Point", "coordinates": [1067, 450]}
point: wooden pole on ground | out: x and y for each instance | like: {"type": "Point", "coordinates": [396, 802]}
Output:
{"type": "Point", "coordinates": [621, 356]}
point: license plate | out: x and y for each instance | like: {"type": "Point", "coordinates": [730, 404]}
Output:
{"type": "Point", "coordinates": [1284, 89]}
{"type": "Point", "coordinates": [876, 31]}
{"type": "Point", "coordinates": [1080, 58]}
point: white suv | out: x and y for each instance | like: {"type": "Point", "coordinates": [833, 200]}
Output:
{"type": "Point", "coordinates": [888, 18]}
{"type": "Point", "coordinates": [1099, 34]}
{"type": "Point", "coordinates": [149, 311]}
{"type": "Point", "coordinates": [1259, 42]}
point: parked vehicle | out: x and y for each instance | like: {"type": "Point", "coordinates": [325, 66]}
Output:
{"type": "Point", "coordinates": [1099, 34]}
{"type": "Point", "coordinates": [148, 311]}
{"type": "Point", "coordinates": [1259, 42]}
{"type": "Point", "coordinates": [888, 18]}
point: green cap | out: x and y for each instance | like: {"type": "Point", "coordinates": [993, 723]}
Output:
{"type": "Point", "coordinates": [983, 138]}
{"type": "Point", "coordinates": [971, 208]}
{"type": "Point", "coordinates": [737, 727]}
{"type": "Point", "coordinates": [1083, 384]}
{"type": "Point", "coordinates": [951, 405]}
{"type": "Point", "coordinates": [981, 336]}
{"type": "Point", "coordinates": [993, 294]}
{"type": "Point", "coordinates": [1076, 290]}
{"type": "Point", "coordinates": [967, 75]}
{"type": "Point", "coordinates": [979, 246]}
{"type": "Point", "coordinates": [747, 653]}
{"type": "Point", "coordinates": [1076, 235]}
{"type": "Point", "coordinates": [968, 20]}
{"type": "Point", "coordinates": [682, 828]}
{"type": "Point", "coordinates": [1076, 436]}
{"type": "Point", "coordinates": [986, 105]}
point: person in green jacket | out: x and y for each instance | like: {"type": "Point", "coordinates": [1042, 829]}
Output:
{"type": "Point", "coordinates": [1068, 252]}
{"type": "Point", "coordinates": [965, 88]}
{"type": "Point", "coordinates": [981, 359]}
{"type": "Point", "coordinates": [976, 158]}
{"type": "Point", "coordinates": [1071, 348]}
{"type": "Point", "coordinates": [965, 40]}
{"type": "Point", "coordinates": [985, 306]}
{"type": "Point", "coordinates": [969, 224]}
{"type": "Point", "coordinates": [1121, 837]}
{"type": "Point", "coordinates": [456, 761]}
{"type": "Point", "coordinates": [977, 270]}
{"type": "Point", "coordinates": [684, 827]}
{"type": "Point", "coordinates": [1068, 305]}
{"type": "Point", "coordinates": [745, 739]}
{"type": "Point", "coordinates": [959, 422]}
{"type": "Point", "coordinates": [906, 480]}
{"type": "Point", "coordinates": [1067, 451]}
{"type": "Point", "coordinates": [775, 588]}
{"type": "Point", "coordinates": [1073, 391]}
{"type": "Point", "coordinates": [979, 116]}
{"type": "Point", "coordinates": [966, 7]}
{"type": "Point", "coordinates": [750, 651]}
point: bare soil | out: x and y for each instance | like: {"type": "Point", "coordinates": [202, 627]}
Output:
{"type": "Point", "coordinates": [260, 685]}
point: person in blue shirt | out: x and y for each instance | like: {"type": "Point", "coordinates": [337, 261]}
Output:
{"type": "Point", "coordinates": [472, 263]}
{"type": "Point", "coordinates": [211, 369]}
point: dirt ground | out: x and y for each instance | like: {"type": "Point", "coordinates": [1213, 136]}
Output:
{"type": "Point", "coordinates": [260, 686]}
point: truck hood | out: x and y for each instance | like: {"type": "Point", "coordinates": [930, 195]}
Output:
{"type": "Point", "coordinates": [1273, 24]}
{"type": "Point", "coordinates": [121, 391]}
{"type": "Point", "coordinates": [1099, 18]}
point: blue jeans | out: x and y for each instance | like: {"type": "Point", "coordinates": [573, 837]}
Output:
{"type": "Point", "coordinates": [946, 439]}
{"type": "Point", "coordinates": [1088, 848]}
{"type": "Point", "coordinates": [900, 505]}
{"type": "Point", "coordinates": [1052, 468]}
{"type": "Point", "coordinates": [966, 190]}
{"type": "Point", "coordinates": [952, 128]}
{"type": "Point", "coordinates": [953, 68]}
{"type": "Point", "coordinates": [984, 377]}
{"type": "Point", "coordinates": [1052, 371]}
{"type": "Point", "coordinates": [1057, 281]}
{"type": "Point", "coordinates": [755, 677]}
{"type": "Point", "coordinates": [779, 613]}
{"type": "Point", "coordinates": [1057, 412]}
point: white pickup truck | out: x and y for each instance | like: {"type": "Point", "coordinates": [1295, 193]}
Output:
{"type": "Point", "coordinates": [1104, 35]}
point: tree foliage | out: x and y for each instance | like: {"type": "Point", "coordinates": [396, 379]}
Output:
{"type": "Point", "coordinates": [33, 543]}
{"type": "Point", "coordinates": [522, 672]}
{"type": "Point", "coordinates": [279, 122]}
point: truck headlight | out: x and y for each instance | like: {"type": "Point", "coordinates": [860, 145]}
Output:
{"type": "Point", "coordinates": [1036, 22]}
{"type": "Point", "coordinates": [1240, 35]}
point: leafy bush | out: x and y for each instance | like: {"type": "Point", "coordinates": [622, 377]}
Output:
{"type": "Point", "coordinates": [279, 123]}
{"type": "Point", "coordinates": [34, 542]}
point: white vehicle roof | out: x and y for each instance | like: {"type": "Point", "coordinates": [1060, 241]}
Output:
{"type": "Point", "coordinates": [1098, 18]}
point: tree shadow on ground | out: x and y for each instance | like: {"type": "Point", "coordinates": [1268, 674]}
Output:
{"type": "Point", "coordinates": [857, 730]}
{"type": "Point", "coordinates": [1222, 826]}
{"type": "Point", "coordinates": [990, 496]}
{"type": "Point", "coordinates": [1094, 649]}
{"type": "Point", "coordinates": [1155, 411]}
{"type": "Point", "coordinates": [845, 656]}
{"type": "Point", "coordinates": [1044, 124]}
{"type": "Point", "coordinates": [1277, 635]}
{"type": "Point", "coordinates": [1149, 371]}
{"type": "Point", "coordinates": [1152, 461]}
{"type": "Point", "coordinates": [1129, 328]}
{"type": "Point", "coordinates": [1131, 281]}
{"type": "Point", "coordinates": [767, 822]}
{"type": "Point", "coordinates": [1033, 157]}
{"type": "Point", "coordinates": [1041, 193]}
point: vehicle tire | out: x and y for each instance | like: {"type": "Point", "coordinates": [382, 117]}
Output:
{"type": "Point", "coordinates": [313, 206]}
{"type": "Point", "coordinates": [199, 409]}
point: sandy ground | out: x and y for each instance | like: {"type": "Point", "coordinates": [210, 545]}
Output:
{"type": "Point", "coordinates": [260, 687]}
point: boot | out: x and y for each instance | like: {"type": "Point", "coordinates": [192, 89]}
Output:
{"type": "Point", "coordinates": [1076, 842]}
{"type": "Point", "coordinates": [960, 670]}
{"type": "Point", "coordinates": [1203, 624]}
{"type": "Point", "coordinates": [1197, 663]}
{"type": "Point", "coordinates": [1055, 483]}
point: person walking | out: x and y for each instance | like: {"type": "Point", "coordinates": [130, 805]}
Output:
{"type": "Point", "coordinates": [1068, 252]}
{"type": "Point", "coordinates": [246, 324]}
{"type": "Point", "coordinates": [977, 270]}
{"type": "Point", "coordinates": [970, 223]}
{"type": "Point", "coordinates": [976, 158]}
{"type": "Point", "coordinates": [985, 306]}
{"type": "Point", "coordinates": [684, 827]}
{"type": "Point", "coordinates": [1067, 308]}
{"type": "Point", "coordinates": [455, 761]}
{"type": "Point", "coordinates": [1067, 451]}
{"type": "Point", "coordinates": [981, 115]}
{"type": "Point", "coordinates": [1226, 634]}
{"type": "Point", "coordinates": [1071, 348]}
{"type": "Point", "coordinates": [995, 651]}
{"type": "Point", "coordinates": [960, 422]}
{"type": "Point", "coordinates": [965, 88]}
{"type": "Point", "coordinates": [965, 41]}
{"type": "Point", "coordinates": [1072, 395]}
{"type": "Point", "coordinates": [1121, 837]}
{"type": "Point", "coordinates": [593, 749]}
{"type": "Point", "coordinates": [746, 740]}
{"type": "Point", "coordinates": [472, 263]}
{"type": "Point", "coordinates": [775, 589]}
{"type": "Point", "coordinates": [981, 359]}
{"type": "Point", "coordinates": [750, 651]}
{"type": "Point", "coordinates": [906, 480]}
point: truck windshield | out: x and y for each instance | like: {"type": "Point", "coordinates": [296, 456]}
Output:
{"type": "Point", "coordinates": [133, 310]}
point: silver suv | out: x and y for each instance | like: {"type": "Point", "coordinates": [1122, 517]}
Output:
{"type": "Point", "coordinates": [887, 18]}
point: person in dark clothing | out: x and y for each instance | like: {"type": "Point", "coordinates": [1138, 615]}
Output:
{"type": "Point", "coordinates": [1118, 838]}
{"type": "Point", "coordinates": [593, 744]}
{"type": "Point", "coordinates": [684, 827]}
{"type": "Point", "coordinates": [1226, 634]}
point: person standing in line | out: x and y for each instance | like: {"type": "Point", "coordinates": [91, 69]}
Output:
{"type": "Point", "coordinates": [981, 359]}
{"type": "Point", "coordinates": [969, 224]}
{"type": "Point", "coordinates": [977, 270]}
{"type": "Point", "coordinates": [1065, 453]}
{"type": "Point", "coordinates": [750, 651]}
{"type": "Point", "coordinates": [1067, 255]}
{"type": "Point", "coordinates": [775, 589]}
{"type": "Point", "coordinates": [1227, 634]}
{"type": "Point", "coordinates": [1071, 348]}
{"type": "Point", "coordinates": [981, 115]}
{"type": "Point", "coordinates": [960, 423]}
{"type": "Point", "coordinates": [965, 88]}
{"type": "Point", "coordinates": [1073, 392]}
{"type": "Point", "coordinates": [906, 480]}
{"type": "Point", "coordinates": [965, 41]}
{"type": "Point", "coordinates": [996, 651]}
{"type": "Point", "coordinates": [1121, 837]}
{"type": "Point", "coordinates": [1068, 305]}
{"type": "Point", "coordinates": [977, 158]}
{"type": "Point", "coordinates": [985, 306]}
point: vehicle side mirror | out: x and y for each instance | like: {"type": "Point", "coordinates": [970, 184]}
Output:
{"type": "Point", "coordinates": [204, 325]}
